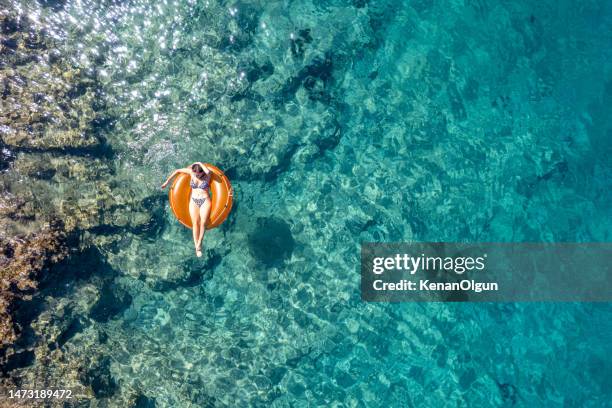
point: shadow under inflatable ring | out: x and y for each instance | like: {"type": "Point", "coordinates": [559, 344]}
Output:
{"type": "Point", "coordinates": [221, 195]}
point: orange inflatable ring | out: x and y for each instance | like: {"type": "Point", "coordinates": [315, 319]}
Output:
{"type": "Point", "coordinates": [221, 195]}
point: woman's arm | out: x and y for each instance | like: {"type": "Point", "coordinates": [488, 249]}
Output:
{"type": "Point", "coordinates": [206, 169]}
{"type": "Point", "coordinates": [186, 170]}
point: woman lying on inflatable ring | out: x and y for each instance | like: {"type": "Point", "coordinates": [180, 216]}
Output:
{"type": "Point", "coordinates": [199, 205]}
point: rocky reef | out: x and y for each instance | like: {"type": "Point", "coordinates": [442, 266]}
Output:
{"type": "Point", "coordinates": [53, 190]}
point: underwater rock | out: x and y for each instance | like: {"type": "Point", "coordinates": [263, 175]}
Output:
{"type": "Point", "coordinates": [39, 112]}
{"type": "Point", "coordinates": [47, 135]}
{"type": "Point", "coordinates": [299, 41]}
{"type": "Point", "coordinates": [271, 243]}
{"type": "Point", "coordinates": [508, 392]}
{"type": "Point", "coordinates": [22, 259]}
{"type": "Point", "coordinates": [144, 402]}
{"type": "Point", "coordinates": [112, 301]}
{"type": "Point", "coordinates": [76, 189]}
{"type": "Point", "coordinates": [99, 378]}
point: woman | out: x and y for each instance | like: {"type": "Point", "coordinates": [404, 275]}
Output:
{"type": "Point", "coordinates": [199, 205]}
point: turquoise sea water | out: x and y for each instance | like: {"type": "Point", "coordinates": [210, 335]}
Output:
{"type": "Point", "coordinates": [339, 122]}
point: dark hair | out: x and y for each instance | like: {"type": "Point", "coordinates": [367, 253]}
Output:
{"type": "Point", "coordinates": [199, 171]}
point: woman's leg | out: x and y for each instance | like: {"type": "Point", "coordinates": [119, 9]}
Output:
{"type": "Point", "coordinates": [194, 213]}
{"type": "Point", "coordinates": [204, 212]}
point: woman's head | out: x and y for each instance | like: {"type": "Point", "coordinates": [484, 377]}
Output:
{"type": "Point", "coordinates": [198, 170]}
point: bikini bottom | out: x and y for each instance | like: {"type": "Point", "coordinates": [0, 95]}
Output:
{"type": "Point", "coordinates": [199, 201]}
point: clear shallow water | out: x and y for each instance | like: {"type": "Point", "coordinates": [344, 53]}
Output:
{"type": "Point", "coordinates": [339, 122]}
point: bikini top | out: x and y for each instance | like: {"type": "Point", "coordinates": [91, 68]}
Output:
{"type": "Point", "coordinates": [202, 186]}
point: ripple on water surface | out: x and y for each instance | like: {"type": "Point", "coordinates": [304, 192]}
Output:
{"type": "Point", "coordinates": [339, 122]}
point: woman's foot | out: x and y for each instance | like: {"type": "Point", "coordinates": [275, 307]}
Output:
{"type": "Point", "coordinates": [199, 252]}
